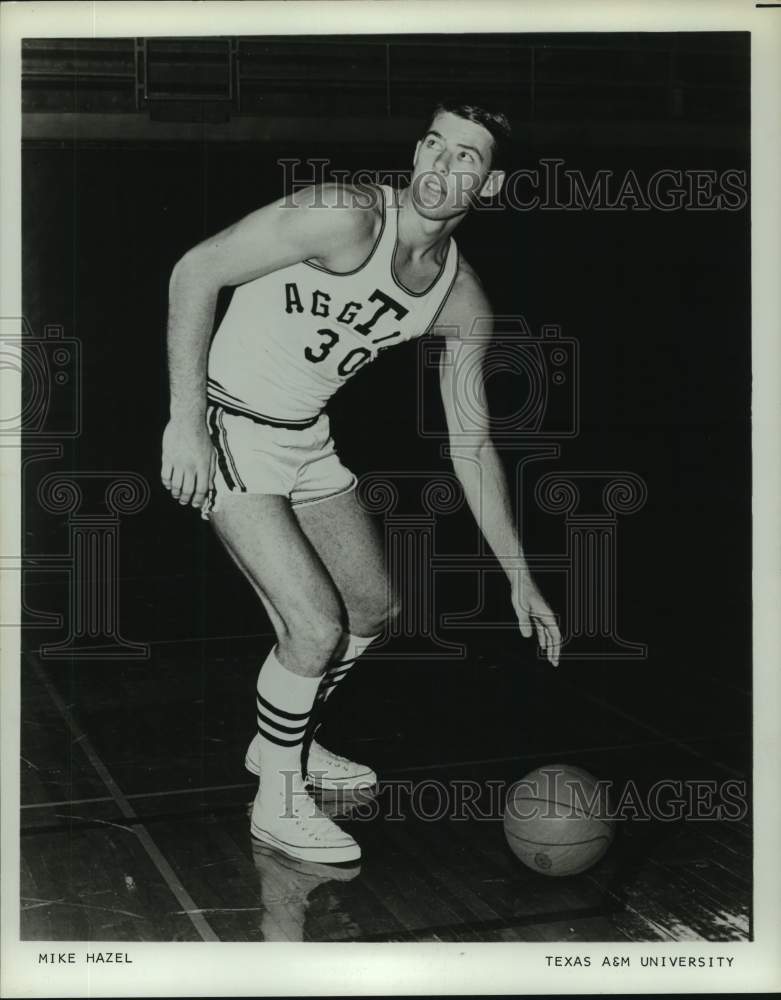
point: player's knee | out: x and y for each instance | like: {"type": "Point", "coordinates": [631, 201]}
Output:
{"type": "Point", "coordinates": [372, 617]}
{"type": "Point", "coordinates": [316, 634]}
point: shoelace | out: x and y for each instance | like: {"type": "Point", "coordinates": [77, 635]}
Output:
{"type": "Point", "coordinates": [329, 755]}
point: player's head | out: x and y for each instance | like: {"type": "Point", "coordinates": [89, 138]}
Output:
{"type": "Point", "coordinates": [460, 158]}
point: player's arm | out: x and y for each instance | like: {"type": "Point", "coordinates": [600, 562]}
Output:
{"type": "Point", "coordinates": [284, 232]}
{"type": "Point", "coordinates": [475, 459]}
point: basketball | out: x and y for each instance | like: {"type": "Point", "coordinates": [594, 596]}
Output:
{"type": "Point", "coordinates": [557, 820]}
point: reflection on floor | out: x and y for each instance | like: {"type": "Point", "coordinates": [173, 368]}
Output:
{"type": "Point", "coordinates": [135, 828]}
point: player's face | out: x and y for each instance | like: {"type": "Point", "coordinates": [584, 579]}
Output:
{"type": "Point", "coordinates": [452, 166]}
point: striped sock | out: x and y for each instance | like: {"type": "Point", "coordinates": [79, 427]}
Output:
{"type": "Point", "coordinates": [284, 705]}
{"type": "Point", "coordinates": [339, 669]}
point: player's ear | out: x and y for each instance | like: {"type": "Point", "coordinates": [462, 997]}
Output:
{"type": "Point", "coordinates": [417, 150]}
{"type": "Point", "coordinates": [492, 184]}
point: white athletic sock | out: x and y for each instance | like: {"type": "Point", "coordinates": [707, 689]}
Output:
{"type": "Point", "coordinates": [339, 669]}
{"type": "Point", "coordinates": [284, 706]}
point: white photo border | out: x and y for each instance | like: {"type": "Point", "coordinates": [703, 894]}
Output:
{"type": "Point", "coordinates": [185, 969]}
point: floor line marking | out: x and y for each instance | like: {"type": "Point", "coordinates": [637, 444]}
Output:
{"type": "Point", "coordinates": [666, 738]}
{"type": "Point", "coordinates": [405, 770]}
{"type": "Point", "coordinates": [570, 750]}
{"type": "Point", "coordinates": [34, 649]}
{"type": "Point", "coordinates": [156, 856]}
{"type": "Point", "coordinates": [139, 795]}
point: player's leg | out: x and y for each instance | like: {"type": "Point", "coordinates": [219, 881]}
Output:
{"type": "Point", "coordinates": [276, 621]}
{"type": "Point", "coordinates": [266, 542]}
{"type": "Point", "coordinates": [350, 547]}
{"type": "Point", "coordinates": [348, 542]}
{"type": "Point", "coordinates": [347, 538]}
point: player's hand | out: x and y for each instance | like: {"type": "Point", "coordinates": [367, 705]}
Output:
{"type": "Point", "coordinates": [188, 463]}
{"type": "Point", "coordinates": [534, 613]}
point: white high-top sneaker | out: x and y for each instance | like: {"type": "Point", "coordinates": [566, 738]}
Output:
{"type": "Point", "coordinates": [326, 771]}
{"type": "Point", "coordinates": [291, 822]}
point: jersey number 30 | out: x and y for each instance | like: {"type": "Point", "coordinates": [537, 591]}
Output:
{"type": "Point", "coordinates": [350, 363]}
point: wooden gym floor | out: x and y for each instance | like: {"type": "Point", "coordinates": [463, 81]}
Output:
{"type": "Point", "coordinates": [134, 803]}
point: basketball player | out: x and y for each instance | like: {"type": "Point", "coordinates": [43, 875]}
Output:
{"type": "Point", "coordinates": [326, 280]}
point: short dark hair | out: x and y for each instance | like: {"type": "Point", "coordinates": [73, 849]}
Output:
{"type": "Point", "coordinates": [496, 122]}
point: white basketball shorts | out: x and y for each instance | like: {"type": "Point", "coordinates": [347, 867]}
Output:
{"type": "Point", "coordinates": [255, 457]}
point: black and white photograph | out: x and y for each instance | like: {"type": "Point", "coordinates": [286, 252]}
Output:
{"type": "Point", "coordinates": [380, 397]}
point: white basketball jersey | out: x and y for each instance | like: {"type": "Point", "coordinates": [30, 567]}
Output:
{"type": "Point", "coordinates": [291, 338]}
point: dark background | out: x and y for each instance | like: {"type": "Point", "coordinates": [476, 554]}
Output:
{"type": "Point", "coordinates": [119, 182]}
